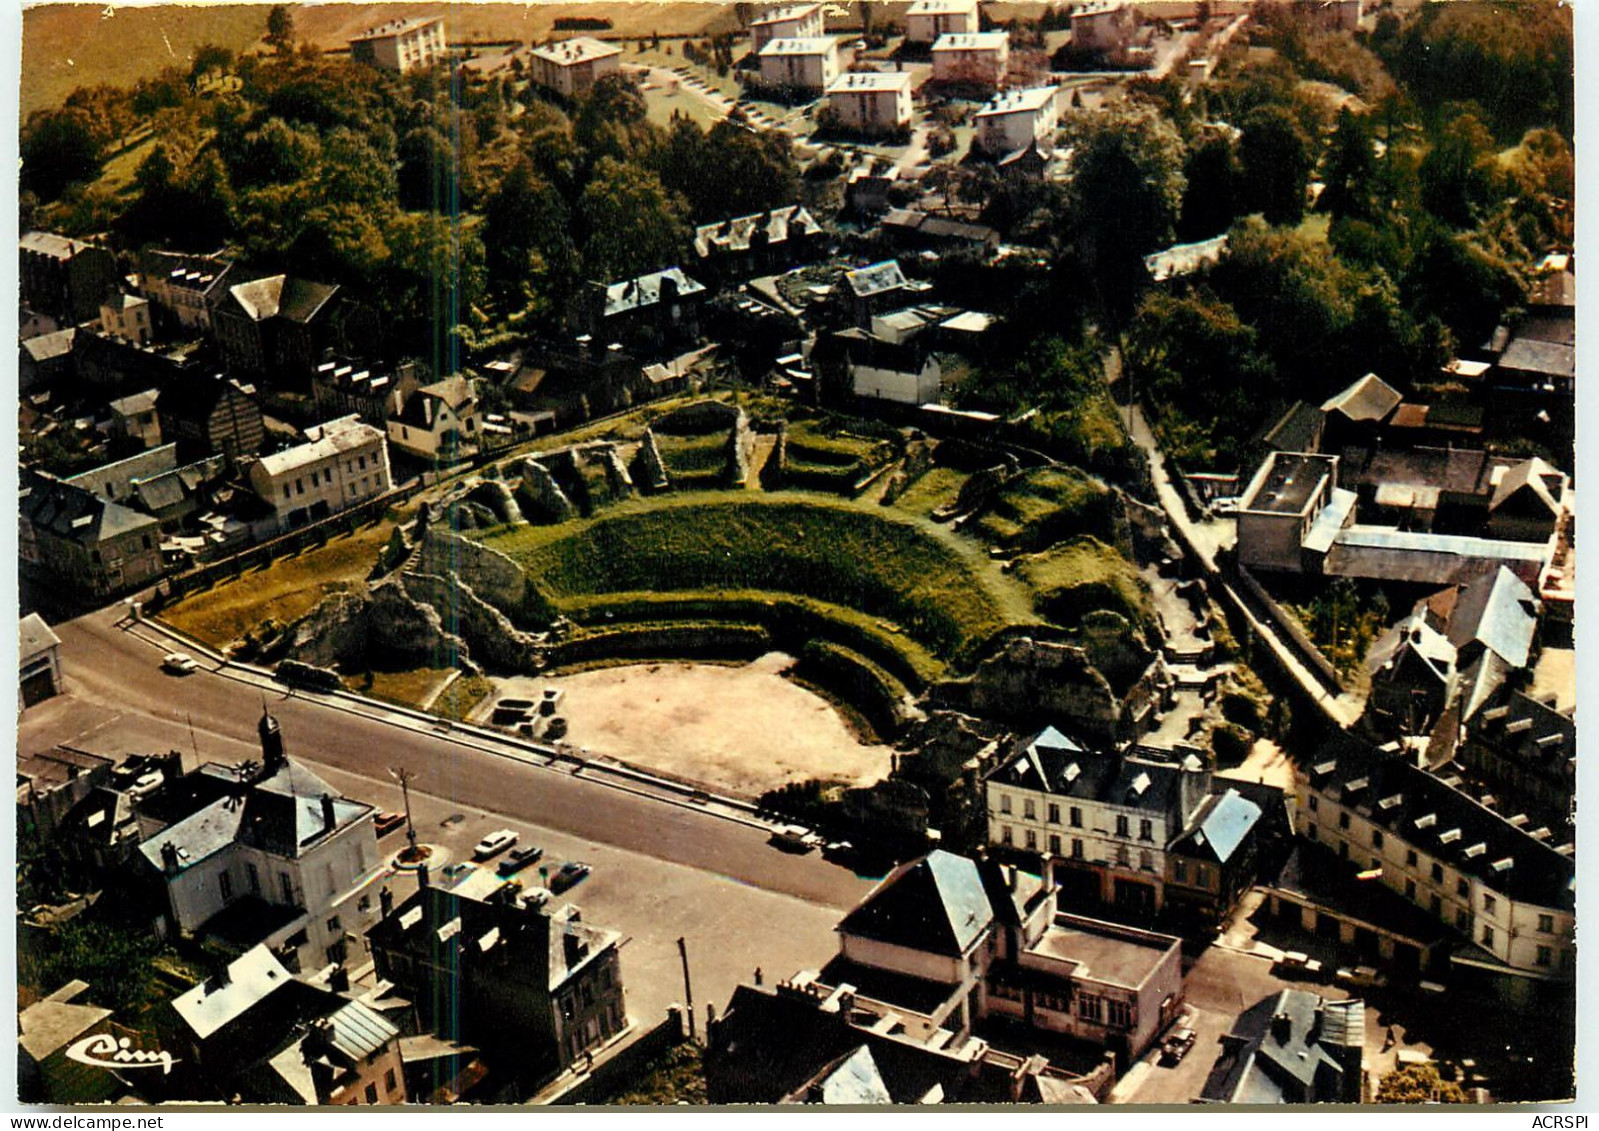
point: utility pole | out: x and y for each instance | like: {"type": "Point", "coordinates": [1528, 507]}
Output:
{"type": "Point", "coordinates": [404, 776]}
{"type": "Point", "coordinates": [688, 990]}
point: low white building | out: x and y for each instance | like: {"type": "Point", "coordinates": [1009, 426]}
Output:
{"type": "Point", "coordinates": [342, 463]}
{"type": "Point", "coordinates": [279, 836]}
{"type": "Point", "coordinates": [928, 19]}
{"type": "Point", "coordinates": [1015, 119]}
{"type": "Point", "coordinates": [39, 661]}
{"type": "Point", "coordinates": [979, 59]}
{"type": "Point", "coordinates": [441, 417]}
{"type": "Point", "coordinates": [871, 102]}
{"type": "Point", "coordinates": [791, 21]}
{"type": "Point", "coordinates": [571, 67]}
{"type": "Point", "coordinates": [808, 65]}
{"type": "Point", "coordinates": [401, 45]}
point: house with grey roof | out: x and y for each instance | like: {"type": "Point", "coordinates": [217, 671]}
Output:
{"type": "Point", "coordinates": [647, 313]}
{"type": "Point", "coordinates": [39, 656]}
{"type": "Point", "coordinates": [759, 244]}
{"type": "Point", "coordinates": [46, 1029]}
{"type": "Point", "coordinates": [45, 359]}
{"type": "Point", "coordinates": [341, 464]}
{"type": "Point", "coordinates": [272, 855]}
{"type": "Point", "coordinates": [1295, 1047]}
{"type": "Point", "coordinates": [1141, 833]}
{"type": "Point", "coordinates": [88, 547]}
{"type": "Point", "coordinates": [279, 326]}
{"type": "Point", "coordinates": [64, 277]}
{"type": "Point", "coordinates": [1526, 753]}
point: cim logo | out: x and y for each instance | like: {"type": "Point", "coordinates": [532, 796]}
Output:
{"type": "Point", "coordinates": [105, 1051]}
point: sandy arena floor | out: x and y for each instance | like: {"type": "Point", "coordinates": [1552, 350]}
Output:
{"type": "Point", "coordinates": [741, 729]}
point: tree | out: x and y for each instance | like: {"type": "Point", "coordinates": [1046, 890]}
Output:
{"type": "Point", "coordinates": [1214, 195]}
{"type": "Point", "coordinates": [1123, 202]}
{"type": "Point", "coordinates": [632, 224]}
{"type": "Point", "coordinates": [280, 29]}
{"type": "Point", "coordinates": [427, 174]}
{"type": "Point", "coordinates": [208, 58]}
{"type": "Point", "coordinates": [1349, 170]}
{"type": "Point", "coordinates": [1464, 284]}
{"type": "Point", "coordinates": [58, 148]}
{"type": "Point", "coordinates": [434, 275]}
{"type": "Point", "coordinates": [1418, 1084]}
{"type": "Point", "coordinates": [1458, 175]}
{"type": "Point", "coordinates": [1276, 159]}
{"type": "Point", "coordinates": [528, 234]}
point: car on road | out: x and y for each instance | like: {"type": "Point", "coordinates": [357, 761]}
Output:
{"type": "Point", "coordinates": [493, 844]}
{"type": "Point", "coordinates": [570, 875]}
{"type": "Point", "coordinates": [1362, 978]}
{"type": "Point", "coordinates": [1224, 506]}
{"type": "Point", "coordinates": [179, 663]}
{"type": "Point", "coordinates": [1297, 964]}
{"type": "Point", "coordinates": [520, 858]}
{"type": "Point", "coordinates": [1176, 1045]}
{"type": "Point", "coordinates": [793, 838]}
{"type": "Point", "coordinates": [386, 823]}
{"type": "Point", "coordinates": [146, 784]}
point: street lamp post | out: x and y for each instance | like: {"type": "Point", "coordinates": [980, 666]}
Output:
{"type": "Point", "coordinates": [404, 777]}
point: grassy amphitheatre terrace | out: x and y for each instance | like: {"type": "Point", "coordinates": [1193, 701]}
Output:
{"type": "Point", "coordinates": [908, 594]}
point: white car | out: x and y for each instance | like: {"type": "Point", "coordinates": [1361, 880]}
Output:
{"type": "Point", "coordinates": [496, 842]}
{"type": "Point", "coordinates": [146, 784]}
{"type": "Point", "coordinates": [179, 663]}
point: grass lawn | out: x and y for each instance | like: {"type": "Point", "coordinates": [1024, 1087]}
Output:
{"type": "Point", "coordinates": [1045, 505]}
{"type": "Point", "coordinates": [461, 697]}
{"type": "Point", "coordinates": [408, 689]}
{"type": "Point", "coordinates": [284, 591]}
{"type": "Point", "coordinates": [1083, 575]}
{"type": "Point", "coordinates": [939, 486]}
{"type": "Point", "coordinates": [935, 586]}
{"type": "Point", "coordinates": [664, 105]}
{"type": "Point", "coordinates": [117, 173]}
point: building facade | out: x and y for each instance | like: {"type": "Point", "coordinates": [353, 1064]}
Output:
{"type": "Point", "coordinates": [85, 546]}
{"type": "Point", "coordinates": [978, 61]}
{"type": "Point", "coordinates": [1016, 119]}
{"type": "Point", "coordinates": [401, 45]}
{"type": "Point", "coordinates": [871, 102]}
{"type": "Point", "coordinates": [341, 464]}
{"type": "Point", "coordinates": [184, 287]}
{"type": "Point", "coordinates": [63, 277]}
{"type": "Point", "coordinates": [926, 20]}
{"type": "Point", "coordinates": [571, 67]}
{"type": "Point", "coordinates": [806, 66]}
{"type": "Point", "coordinates": [438, 419]}
{"type": "Point", "coordinates": [791, 21]}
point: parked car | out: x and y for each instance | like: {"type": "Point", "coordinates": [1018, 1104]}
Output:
{"type": "Point", "coordinates": [793, 838]}
{"type": "Point", "coordinates": [386, 823]}
{"type": "Point", "coordinates": [1362, 977]}
{"type": "Point", "coordinates": [570, 875]}
{"type": "Point", "coordinates": [179, 663]}
{"type": "Point", "coordinates": [1176, 1045]}
{"type": "Point", "coordinates": [1296, 963]}
{"type": "Point", "coordinates": [520, 858]}
{"type": "Point", "coordinates": [496, 842]}
{"type": "Point", "coordinates": [146, 784]}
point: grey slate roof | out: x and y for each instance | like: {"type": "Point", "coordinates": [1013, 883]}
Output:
{"type": "Point", "coordinates": [68, 511]}
{"type": "Point", "coordinates": [1223, 825]}
{"type": "Point", "coordinates": [935, 904]}
{"type": "Point", "coordinates": [735, 234]}
{"type": "Point", "coordinates": [34, 636]}
{"type": "Point", "coordinates": [282, 296]}
{"type": "Point", "coordinates": [1529, 355]}
{"type": "Point", "coordinates": [1292, 1060]}
{"type": "Point", "coordinates": [852, 1079]}
{"type": "Point", "coordinates": [1498, 611]}
{"type": "Point", "coordinates": [1370, 398]}
{"type": "Point", "coordinates": [358, 1031]}
{"type": "Point", "coordinates": [1052, 763]}
{"type": "Point", "coordinates": [44, 347]}
{"type": "Point", "coordinates": [252, 977]}
{"type": "Point", "coordinates": [635, 294]}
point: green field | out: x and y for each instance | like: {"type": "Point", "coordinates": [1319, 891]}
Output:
{"type": "Point", "coordinates": [1084, 575]}
{"type": "Point", "coordinates": [1041, 507]}
{"type": "Point", "coordinates": [937, 589]}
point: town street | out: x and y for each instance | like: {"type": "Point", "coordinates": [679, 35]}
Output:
{"type": "Point", "coordinates": [661, 869]}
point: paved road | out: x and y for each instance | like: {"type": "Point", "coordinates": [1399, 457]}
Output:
{"type": "Point", "coordinates": [661, 869]}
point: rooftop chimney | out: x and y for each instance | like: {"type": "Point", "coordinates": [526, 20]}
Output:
{"type": "Point", "coordinates": [385, 903]}
{"type": "Point", "coordinates": [329, 818]}
{"type": "Point", "coordinates": [1282, 1027]}
{"type": "Point", "coordinates": [272, 755]}
{"type": "Point", "coordinates": [169, 858]}
{"type": "Point", "coordinates": [576, 949]}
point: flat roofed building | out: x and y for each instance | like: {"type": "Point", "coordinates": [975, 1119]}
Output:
{"type": "Point", "coordinates": [571, 67]}
{"type": "Point", "coordinates": [871, 102]}
{"type": "Point", "coordinates": [39, 660]}
{"type": "Point", "coordinates": [1015, 119]}
{"type": "Point", "coordinates": [978, 60]}
{"type": "Point", "coordinates": [809, 65]}
{"type": "Point", "coordinates": [401, 45]}
{"type": "Point", "coordinates": [926, 20]}
{"type": "Point", "coordinates": [791, 21]}
{"type": "Point", "coordinates": [1280, 505]}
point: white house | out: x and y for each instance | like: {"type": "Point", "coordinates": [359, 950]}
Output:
{"type": "Point", "coordinates": [401, 45]}
{"type": "Point", "coordinates": [281, 837]}
{"type": "Point", "coordinates": [928, 19]}
{"type": "Point", "coordinates": [127, 317]}
{"type": "Point", "coordinates": [871, 102]}
{"type": "Point", "coordinates": [187, 287]}
{"type": "Point", "coordinates": [792, 21]}
{"type": "Point", "coordinates": [571, 67]}
{"type": "Point", "coordinates": [342, 463]}
{"type": "Point", "coordinates": [1104, 25]}
{"type": "Point", "coordinates": [978, 59]}
{"type": "Point", "coordinates": [39, 660]}
{"type": "Point", "coordinates": [1015, 119]}
{"type": "Point", "coordinates": [1507, 888]}
{"type": "Point", "coordinates": [439, 417]}
{"type": "Point", "coordinates": [809, 64]}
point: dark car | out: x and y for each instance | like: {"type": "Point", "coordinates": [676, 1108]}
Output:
{"type": "Point", "coordinates": [520, 858]}
{"type": "Point", "coordinates": [386, 823]}
{"type": "Point", "coordinates": [571, 873]}
{"type": "Point", "coordinates": [1176, 1046]}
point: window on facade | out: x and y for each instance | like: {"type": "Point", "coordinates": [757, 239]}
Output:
{"type": "Point", "coordinates": [362, 462]}
{"type": "Point", "coordinates": [1437, 905]}
{"type": "Point", "coordinates": [1437, 873]}
{"type": "Point", "coordinates": [1121, 826]}
{"type": "Point", "coordinates": [1312, 802]}
{"type": "Point", "coordinates": [1005, 836]}
{"type": "Point", "coordinates": [286, 887]}
{"type": "Point", "coordinates": [1376, 838]}
{"type": "Point", "coordinates": [1343, 820]}
{"type": "Point", "coordinates": [287, 491]}
{"type": "Point", "coordinates": [1004, 803]}
{"type": "Point", "coordinates": [1119, 1014]}
{"type": "Point", "coordinates": [1077, 817]}
{"type": "Point", "coordinates": [1546, 924]}
{"type": "Point", "coordinates": [1027, 809]}
{"type": "Point", "coordinates": [1489, 903]}
{"type": "Point", "coordinates": [1122, 856]}
{"type": "Point", "coordinates": [1146, 829]}
{"type": "Point", "coordinates": [1410, 889]}
{"type": "Point", "coordinates": [1179, 871]}
{"type": "Point", "coordinates": [299, 487]}
{"type": "Point", "coordinates": [1146, 860]}
{"type": "Point", "coordinates": [1091, 1008]}
{"type": "Point", "coordinates": [371, 1093]}
{"type": "Point", "coordinates": [364, 903]}
{"type": "Point", "coordinates": [1462, 921]}
{"type": "Point", "coordinates": [1032, 841]}
{"type": "Point", "coordinates": [1410, 858]}
{"type": "Point", "coordinates": [1544, 957]}
{"type": "Point", "coordinates": [1054, 845]}
{"type": "Point", "coordinates": [1054, 813]}
{"type": "Point", "coordinates": [1487, 936]}
{"type": "Point", "coordinates": [227, 886]}
{"type": "Point", "coordinates": [1077, 848]}
{"type": "Point", "coordinates": [333, 925]}
{"type": "Point", "coordinates": [1462, 888]}
{"type": "Point", "coordinates": [254, 877]}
